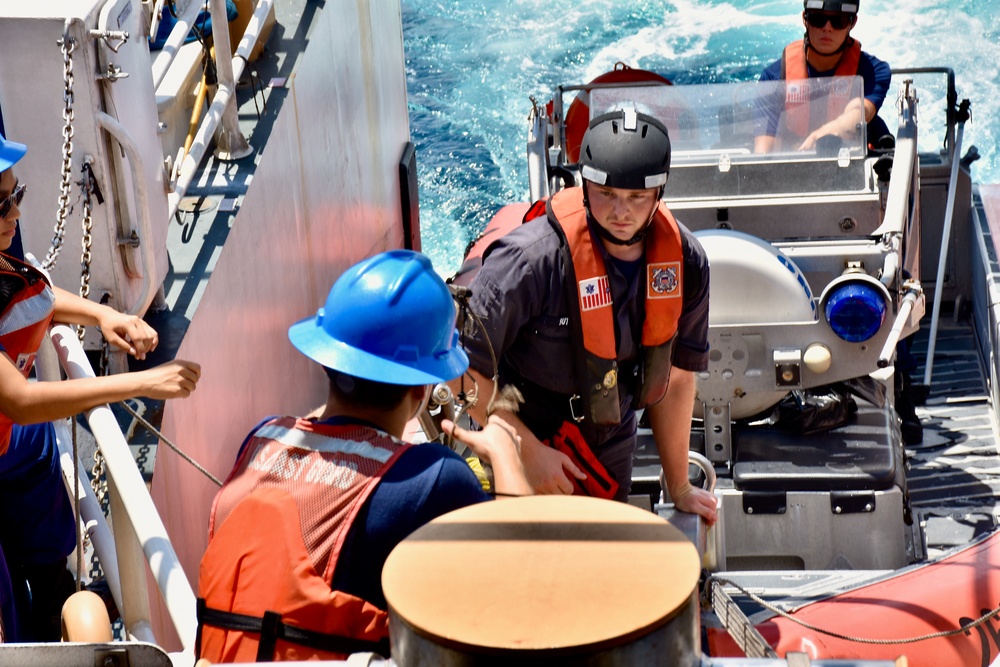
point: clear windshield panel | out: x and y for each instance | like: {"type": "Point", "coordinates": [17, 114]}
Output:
{"type": "Point", "coordinates": [758, 138]}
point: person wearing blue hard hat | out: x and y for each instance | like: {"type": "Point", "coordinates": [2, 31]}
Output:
{"type": "Point", "coordinates": [303, 525]}
{"type": "Point", "coordinates": [37, 525]}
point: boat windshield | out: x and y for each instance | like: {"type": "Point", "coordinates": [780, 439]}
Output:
{"type": "Point", "coordinates": [717, 131]}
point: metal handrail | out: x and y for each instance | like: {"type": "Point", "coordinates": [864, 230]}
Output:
{"type": "Point", "coordinates": [165, 58]}
{"type": "Point", "coordinates": [140, 189]}
{"type": "Point", "coordinates": [904, 170]}
{"type": "Point", "coordinates": [137, 525]}
{"type": "Point", "coordinates": [223, 96]}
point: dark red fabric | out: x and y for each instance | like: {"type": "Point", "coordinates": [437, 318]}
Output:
{"type": "Point", "coordinates": [599, 484]}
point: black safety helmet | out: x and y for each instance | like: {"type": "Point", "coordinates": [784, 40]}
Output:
{"type": "Point", "coordinates": [626, 149]}
{"type": "Point", "coordinates": [843, 6]}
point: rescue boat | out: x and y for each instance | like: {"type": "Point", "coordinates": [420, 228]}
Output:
{"type": "Point", "coordinates": [845, 528]}
{"type": "Point", "coordinates": [834, 539]}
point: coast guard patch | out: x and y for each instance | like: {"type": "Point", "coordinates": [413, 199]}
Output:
{"type": "Point", "coordinates": [842, 85]}
{"type": "Point", "coordinates": [663, 280]}
{"type": "Point", "coordinates": [595, 293]}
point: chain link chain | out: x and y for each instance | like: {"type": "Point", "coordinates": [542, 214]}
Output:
{"type": "Point", "coordinates": [85, 256]}
{"type": "Point", "coordinates": [67, 45]}
{"type": "Point", "coordinates": [98, 480]}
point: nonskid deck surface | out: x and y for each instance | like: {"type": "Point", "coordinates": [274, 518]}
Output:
{"type": "Point", "coordinates": [954, 475]}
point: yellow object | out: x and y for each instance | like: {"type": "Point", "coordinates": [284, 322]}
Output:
{"type": "Point", "coordinates": [480, 472]}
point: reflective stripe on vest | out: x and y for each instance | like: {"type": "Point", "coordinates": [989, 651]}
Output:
{"type": "Point", "coordinates": [276, 532]}
{"type": "Point", "coordinates": [794, 69]}
{"type": "Point", "coordinates": [664, 301]}
{"type": "Point", "coordinates": [24, 322]}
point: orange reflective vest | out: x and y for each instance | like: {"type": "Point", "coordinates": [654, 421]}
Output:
{"type": "Point", "coordinates": [595, 314]}
{"type": "Point", "coordinates": [795, 70]}
{"type": "Point", "coordinates": [24, 321]}
{"type": "Point", "coordinates": [276, 531]}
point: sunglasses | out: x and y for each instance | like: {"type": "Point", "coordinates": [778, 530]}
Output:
{"type": "Point", "coordinates": [13, 200]}
{"type": "Point", "coordinates": [838, 21]}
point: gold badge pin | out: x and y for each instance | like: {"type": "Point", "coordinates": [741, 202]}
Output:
{"type": "Point", "coordinates": [610, 379]}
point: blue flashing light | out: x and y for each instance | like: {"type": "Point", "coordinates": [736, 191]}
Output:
{"type": "Point", "coordinates": [855, 312]}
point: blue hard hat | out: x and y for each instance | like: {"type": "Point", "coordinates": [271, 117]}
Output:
{"type": "Point", "coordinates": [10, 153]}
{"type": "Point", "coordinates": [389, 318]}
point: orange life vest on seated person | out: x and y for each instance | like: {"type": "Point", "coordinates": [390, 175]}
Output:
{"type": "Point", "coordinates": [24, 320]}
{"type": "Point", "coordinates": [276, 531]}
{"type": "Point", "coordinates": [795, 70]}
{"type": "Point", "coordinates": [595, 314]}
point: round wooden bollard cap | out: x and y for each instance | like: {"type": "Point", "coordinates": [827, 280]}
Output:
{"type": "Point", "coordinates": [541, 572]}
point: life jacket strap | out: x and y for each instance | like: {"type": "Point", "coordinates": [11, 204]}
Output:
{"type": "Point", "coordinates": [599, 483]}
{"type": "Point", "coordinates": [271, 628]}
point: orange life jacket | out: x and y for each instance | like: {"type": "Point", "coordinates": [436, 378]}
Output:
{"type": "Point", "coordinates": [275, 534]}
{"type": "Point", "coordinates": [663, 297]}
{"type": "Point", "coordinates": [24, 321]}
{"type": "Point", "coordinates": [795, 70]}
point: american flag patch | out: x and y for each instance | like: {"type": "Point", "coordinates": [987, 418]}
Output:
{"type": "Point", "coordinates": [796, 93]}
{"type": "Point", "coordinates": [24, 362]}
{"type": "Point", "coordinates": [595, 293]}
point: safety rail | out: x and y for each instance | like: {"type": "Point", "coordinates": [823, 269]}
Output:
{"type": "Point", "coordinates": [178, 34]}
{"type": "Point", "coordinates": [141, 194]}
{"type": "Point", "coordinates": [139, 536]}
{"type": "Point", "coordinates": [221, 112]}
{"type": "Point", "coordinates": [901, 212]}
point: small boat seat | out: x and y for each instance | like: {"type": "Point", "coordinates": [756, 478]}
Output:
{"type": "Point", "coordinates": [859, 456]}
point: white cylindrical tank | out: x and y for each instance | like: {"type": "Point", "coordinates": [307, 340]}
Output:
{"type": "Point", "coordinates": [752, 282]}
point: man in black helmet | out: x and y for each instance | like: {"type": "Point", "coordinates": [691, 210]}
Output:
{"type": "Point", "coordinates": [597, 306]}
{"type": "Point", "coordinates": [827, 49]}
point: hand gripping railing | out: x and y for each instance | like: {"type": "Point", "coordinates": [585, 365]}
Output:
{"type": "Point", "coordinates": [139, 535]}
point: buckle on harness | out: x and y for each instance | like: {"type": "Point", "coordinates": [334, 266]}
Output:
{"type": "Point", "coordinates": [572, 410]}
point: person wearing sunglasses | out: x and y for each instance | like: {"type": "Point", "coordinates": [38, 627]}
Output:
{"type": "Point", "coordinates": [37, 523]}
{"type": "Point", "coordinates": [827, 49]}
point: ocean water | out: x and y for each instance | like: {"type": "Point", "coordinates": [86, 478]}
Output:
{"type": "Point", "coordinates": [473, 66]}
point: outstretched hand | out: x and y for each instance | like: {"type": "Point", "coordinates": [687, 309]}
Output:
{"type": "Point", "coordinates": [128, 332]}
{"type": "Point", "coordinates": [548, 469]}
{"type": "Point", "coordinates": [174, 379]}
{"type": "Point", "coordinates": [493, 439]}
{"type": "Point", "coordinates": [499, 445]}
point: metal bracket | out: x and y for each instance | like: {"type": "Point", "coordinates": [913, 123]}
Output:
{"type": "Point", "coordinates": [113, 73]}
{"type": "Point", "coordinates": [852, 502]}
{"type": "Point", "coordinates": [132, 240]}
{"type": "Point", "coordinates": [111, 657]}
{"type": "Point", "coordinates": [764, 502]}
{"type": "Point", "coordinates": [718, 433]}
{"type": "Point", "coordinates": [114, 39]}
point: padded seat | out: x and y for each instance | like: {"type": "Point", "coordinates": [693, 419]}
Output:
{"type": "Point", "coordinates": [859, 456]}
